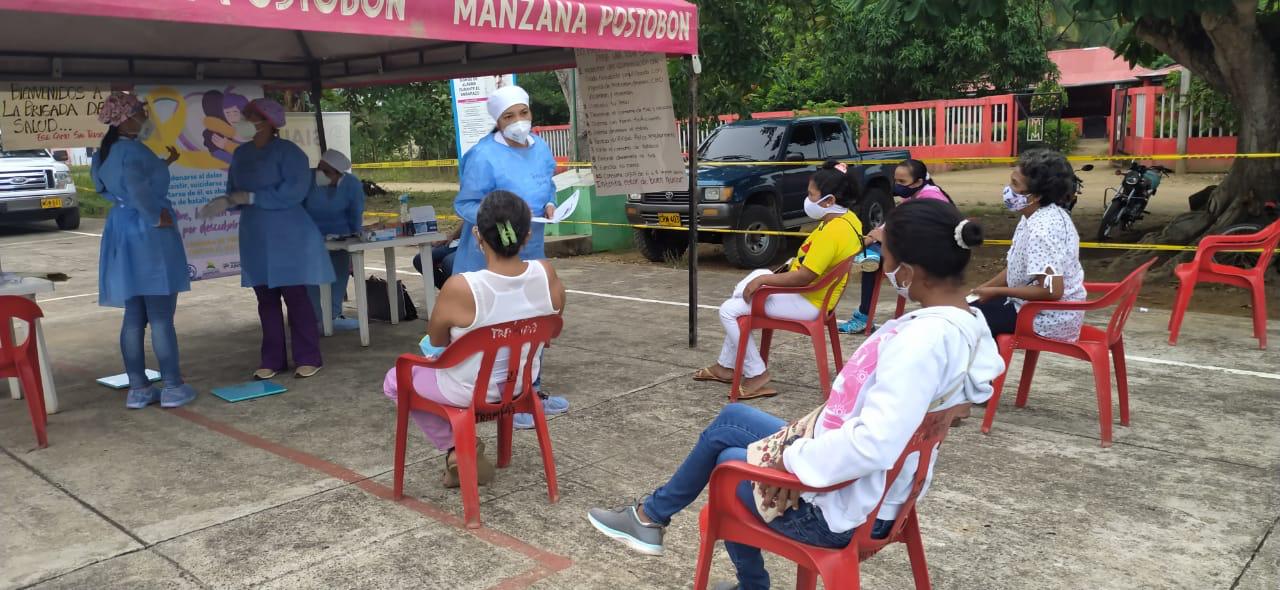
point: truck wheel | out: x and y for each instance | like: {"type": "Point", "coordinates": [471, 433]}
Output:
{"type": "Point", "coordinates": [874, 208]}
{"type": "Point", "coordinates": [70, 220]}
{"type": "Point", "coordinates": [660, 245]}
{"type": "Point", "coordinates": [755, 250]}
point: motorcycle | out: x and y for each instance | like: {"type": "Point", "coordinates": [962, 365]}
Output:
{"type": "Point", "coordinates": [1071, 204]}
{"type": "Point", "coordinates": [1129, 205]}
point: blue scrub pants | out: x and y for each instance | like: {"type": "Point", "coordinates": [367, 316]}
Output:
{"type": "Point", "coordinates": [726, 439]}
{"type": "Point", "coordinates": [156, 310]}
{"type": "Point", "coordinates": [341, 260]}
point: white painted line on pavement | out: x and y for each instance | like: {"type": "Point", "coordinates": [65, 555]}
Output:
{"type": "Point", "coordinates": [67, 297]}
{"type": "Point", "coordinates": [1130, 357]}
{"type": "Point", "coordinates": [27, 243]}
{"type": "Point", "coordinates": [1148, 360]}
{"type": "Point", "coordinates": [81, 233]}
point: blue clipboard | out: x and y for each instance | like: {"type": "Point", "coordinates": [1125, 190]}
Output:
{"type": "Point", "coordinates": [251, 390]}
{"type": "Point", "coordinates": [121, 381]}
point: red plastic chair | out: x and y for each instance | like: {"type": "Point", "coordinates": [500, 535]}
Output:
{"type": "Point", "coordinates": [726, 518]}
{"type": "Point", "coordinates": [513, 336]}
{"type": "Point", "coordinates": [1204, 270]}
{"type": "Point", "coordinates": [817, 329]}
{"type": "Point", "coordinates": [1094, 346]}
{"type": "Point", "coordinates": [22, 360]}
{"type": "Point", "coordinates": [875, 298]}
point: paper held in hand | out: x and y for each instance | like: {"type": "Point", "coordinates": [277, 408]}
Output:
{"type": "Point", "coordinates": [563, 211]}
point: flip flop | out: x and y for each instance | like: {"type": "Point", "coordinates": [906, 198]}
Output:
{"type": "Point", "coordinates": [762, 392]}
{"type": "Point", "coordinates": [705, 374]}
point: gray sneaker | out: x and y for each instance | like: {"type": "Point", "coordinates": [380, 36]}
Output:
{"type": "Point", "coordinates": [725, 586]}
{"type": "Point", "coordinates": [624, 525]}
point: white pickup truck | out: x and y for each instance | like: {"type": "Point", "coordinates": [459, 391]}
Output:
{"type": "Point", "coordinates": [36, 185]}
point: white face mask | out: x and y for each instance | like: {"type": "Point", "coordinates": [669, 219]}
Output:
{"type": "Point", "coordinates": [147, 130]}
{"type": "Point", "coordinates": [903, 290]}
{"type": "Point", "coordinates": [818, 212]}
{"type": "Point", "coordinates": [246, 129]}
{"type": "Point", "coordinates": [1014, 201]}
{"type": "Point", "coordinates": [322, 179]}
{"type": "Point", "coordinates": [518, 132]}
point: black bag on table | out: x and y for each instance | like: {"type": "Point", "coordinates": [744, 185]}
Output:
{"type": "Point", "coordinates": [380, 307]}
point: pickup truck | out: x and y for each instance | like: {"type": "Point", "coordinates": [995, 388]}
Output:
{"type": "Point", "coordinates": [36, 186]}
{"type": "Point", "coordinates": [760, 196]}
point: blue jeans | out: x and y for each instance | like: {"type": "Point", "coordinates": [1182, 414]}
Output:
{"type": "Point", "coordinates": [341, 260]}
{"type": "Point", "coordinates": [158, 311]}
{"type": "Point", "coordinates": [726, 439]}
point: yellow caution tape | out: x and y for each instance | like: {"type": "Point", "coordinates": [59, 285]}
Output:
{"type": "Point", "coordinates": [993, 160]}
{"type": "Point", "coordinates": [798, 234]}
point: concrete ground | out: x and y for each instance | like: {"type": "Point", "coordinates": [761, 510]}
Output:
{"type": "Point", "coordinates": [292, 491]}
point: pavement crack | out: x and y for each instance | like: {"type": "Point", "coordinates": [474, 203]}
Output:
{"type": "Point", "coordinates": [1256, 550]}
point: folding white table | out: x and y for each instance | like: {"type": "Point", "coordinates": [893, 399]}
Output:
{"type": "Point", "coordinates": [357, 248]}
{"type": "Point", "coordinates": [29, 287]}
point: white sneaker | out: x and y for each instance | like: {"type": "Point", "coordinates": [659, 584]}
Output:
{"type": "Point", "coordinates": [306, 371]}
{"type": "Point", "coordinates": [263, 374]}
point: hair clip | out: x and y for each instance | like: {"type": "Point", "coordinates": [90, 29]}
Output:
{"type": "Point", "coordinates": [506, 233]}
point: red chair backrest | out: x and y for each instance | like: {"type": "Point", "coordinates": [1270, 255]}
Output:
{"type": "Point", "coordinates": [831, 280]}
{"type": "Point", "coordinates": [489, 341]}
{"type": "Point", "coordinates": [926, 440]}
{"type": "Point", "coordinates": [1128, 292]}
{"type": "Point", "coordinates": [16, 308]}
{"type": "Point", "coordinates": [1268, 239]}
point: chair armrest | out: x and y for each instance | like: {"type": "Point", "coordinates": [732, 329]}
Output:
{"type": "Point", "coordinates": [1027, 315]}
{"type": "Point", "coordinates": [1099, 287]}
{"type": "Point", "coordinates": [732, 473]}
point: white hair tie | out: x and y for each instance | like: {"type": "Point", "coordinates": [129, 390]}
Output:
{"type": "Point", "coordinates": [960, 234]}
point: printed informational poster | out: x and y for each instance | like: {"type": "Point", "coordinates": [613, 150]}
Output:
{"type": "Point", "coordinates": [471, 120]}
{"type": "Point", "coordinates": [35, 115]}
{"type": "Point", "coordinates": [635, 146]}
{"type": "Point", "coordinates": [300, 128]}
{"type": "Point", "coordinates": [199, 122]}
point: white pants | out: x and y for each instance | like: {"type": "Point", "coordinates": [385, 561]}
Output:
{"type": "Point", "coordinates": [784, 307]}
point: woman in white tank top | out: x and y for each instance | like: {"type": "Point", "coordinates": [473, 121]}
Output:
{"type": "Point", "coordinates": [508, 289]}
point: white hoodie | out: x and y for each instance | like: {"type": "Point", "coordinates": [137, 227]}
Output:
{"type": "Point", "coordinates": [904, 368]}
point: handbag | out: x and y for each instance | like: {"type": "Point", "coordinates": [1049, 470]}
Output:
{"type": "Point", "coordinates": [380, 306]}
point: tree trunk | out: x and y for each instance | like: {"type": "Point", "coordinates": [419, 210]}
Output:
{"type": "Point", "coordinates": [565, 77]}
{"type": "Point", "coordinates": [1234, 57]}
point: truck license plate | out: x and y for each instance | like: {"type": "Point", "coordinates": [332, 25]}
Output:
{"type": "Point", "coordinates": [54, 203]}
{"type": "Point", "coordinates": [669, 219]}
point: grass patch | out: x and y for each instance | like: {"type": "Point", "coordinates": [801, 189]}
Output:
{"type": "Point", "coordinates": [92, 204]}
{"type": "Point", "coordinates": [408, 174]}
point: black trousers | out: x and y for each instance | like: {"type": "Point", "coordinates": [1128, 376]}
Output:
{"type": "Point", "coordinates": [1002, 316]}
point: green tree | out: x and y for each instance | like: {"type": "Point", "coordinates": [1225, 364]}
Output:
{"type": "Point", "coordinates": [878, 52]}
{"type": "Point", "coordinates": [1232, 45]}
{"type": "Point", "coordinates": [408, 121]}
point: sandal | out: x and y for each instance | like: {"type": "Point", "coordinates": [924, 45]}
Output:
{"type": "Point", "coordinates": [706, 374]}
{"type": "Point", "coordinates": [761, 392]}
{"type": "Point", "coordinates": [484, 469]}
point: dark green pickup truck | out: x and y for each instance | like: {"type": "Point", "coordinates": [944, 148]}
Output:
{"type": "Point", "coordinates": [760, 196]}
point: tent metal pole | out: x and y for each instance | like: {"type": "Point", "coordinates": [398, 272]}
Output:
{"type": "Point", "coordinates": [693, 202]}
{"type": "Point", "coordinates": [316, 90]}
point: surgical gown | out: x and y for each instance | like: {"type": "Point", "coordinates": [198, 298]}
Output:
{"type": "Point", "coordinates": [136, 257]}
{"type": "Point", "coordinates": [280, 246]}
{"type": "Point", "coordinates": [337, 210]}
{"type": "Point", "coordinates": [492, 165]}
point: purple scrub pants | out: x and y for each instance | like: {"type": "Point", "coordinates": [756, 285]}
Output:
{"type": "Point", "coordinates": [302, 327]}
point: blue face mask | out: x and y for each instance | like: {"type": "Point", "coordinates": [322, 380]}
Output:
{"type": "Point", "coordinates": [904, 191]}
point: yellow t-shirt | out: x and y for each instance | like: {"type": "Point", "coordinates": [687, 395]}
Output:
{"type": "Point", "coordinates": [826, 247]}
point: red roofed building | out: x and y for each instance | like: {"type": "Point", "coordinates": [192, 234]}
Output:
{"type": "Point", "coordinates": [1089, 75]}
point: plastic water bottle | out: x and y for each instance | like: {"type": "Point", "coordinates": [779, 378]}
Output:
{"type": "Point", "coordinates": [406, 222]}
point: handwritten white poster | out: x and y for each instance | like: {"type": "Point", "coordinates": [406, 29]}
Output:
{"type": "Point", "coordinates": [300, 128]}
{"type": "Point", "coordinates": [471, 120]}
{"type": "Point", "coordinates": [199, 122]}
{"type": "Point", "coordinates": [36, 115]}
{"type": "Point", "coordinates": [631, 126]}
